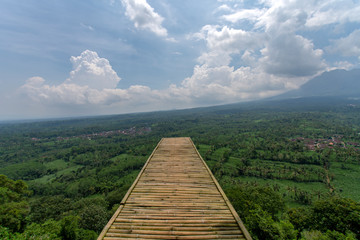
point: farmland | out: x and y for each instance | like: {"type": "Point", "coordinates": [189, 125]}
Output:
{"type": "Point", "coordinates": [76, 171]}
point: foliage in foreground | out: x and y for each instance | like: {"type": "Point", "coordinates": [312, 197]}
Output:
{"type": "Point", "coordinates": [261, 207]}
{"type": "Point", "coordinates": [73, 177]}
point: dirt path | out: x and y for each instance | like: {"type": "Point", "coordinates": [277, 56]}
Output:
{"type": "Point", "coordinates": [328, 182]}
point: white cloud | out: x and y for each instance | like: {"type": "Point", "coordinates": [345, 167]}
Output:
{"type": "Point", "coordinates": [224, 42]}
{"type": "Point", "coordinates": [291, 55]}
{"type": "Point", "coordinates": [283, 16]}
{"type": "Point", "coordinates": [224, 8]}
{"type": "Point", "coordinates": [223, 84]}
{"type": "Point", "coordinates": [38, 91]}
{"type": "Point", "coordinates": [270, 57]}
{"type": "Point", "coordinates": [92, 71]}
{"type": "Point", "coordinates": [92, 81]}
{"type": "Point", "coordinates": [69, 94]}
{"type": "Point", "coordinates": [245, 14]}
{"type": "Point", "coordinates": [266, 57]}
{"type": "Point", "coordinates": [144, 16]}
{"type": "Point", "coordinates": [347, 46]}
{"type": "Point", "coordinates": [269, 64]}
{"type": "Point", "coordinates": [295, 14]}
{"type": "Point", "coordinates": [91, 88]}
{"type": "Point", "coordinates": [329, 12]}
{"type": "Point", "coordinates": [342, 65]}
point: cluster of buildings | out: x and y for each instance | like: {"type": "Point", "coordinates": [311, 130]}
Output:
{"type": "Point", "coordinates": [320, 143]}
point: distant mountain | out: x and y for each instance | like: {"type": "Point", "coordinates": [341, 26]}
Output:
{"type": "Point", "coordinates": [333, 83]}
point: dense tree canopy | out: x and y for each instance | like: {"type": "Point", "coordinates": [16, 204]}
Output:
{"type": "Point", "coordinates": [289, 168]}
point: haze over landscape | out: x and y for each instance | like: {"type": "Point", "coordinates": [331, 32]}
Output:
{"type": "Point", "coordinates": [73, 58]}
{"type": "Point", "coordinates": [182, 119]}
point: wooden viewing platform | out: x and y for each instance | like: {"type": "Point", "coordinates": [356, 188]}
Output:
{"type": "Point", "coordinates": [175, 196]}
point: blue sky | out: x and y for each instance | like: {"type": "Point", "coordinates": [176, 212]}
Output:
{"type": "Point", "coordinates": [62, 58]}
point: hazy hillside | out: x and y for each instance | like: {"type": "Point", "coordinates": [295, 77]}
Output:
{"type": "Point", "coordinates": [334, 83]}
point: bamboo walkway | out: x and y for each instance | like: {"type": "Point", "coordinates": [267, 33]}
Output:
{"type": "Point", "coordinates": [175, 196]}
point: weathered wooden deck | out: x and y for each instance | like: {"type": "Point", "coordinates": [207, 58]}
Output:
{"type": "Point", "coordinates": [175, 196]}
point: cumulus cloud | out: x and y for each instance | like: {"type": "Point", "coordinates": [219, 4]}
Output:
{"type": "Point", "coordinates": [347, 46]}
{"type": "Point", "coordinates": [37, 89]}
{"type": "Point", "coordinates": [92, 87]}
{"type": "Point", "coordinates": [270, 55]}
{"type": "Point", "coordinates": [291, 55]}
{"type": "Point", "coordinates": [92, 71]}
{"type": "Point", "coordinates": [224, 42]}
{"type": "Point", "coordinates": [92, 81]}
{"type": "Point", "coordinates": [144, 16]}
{"type": "Point", "coordinates": [297, 14]}
{"type": "Point", "coordinates": [267, 57]}
{"type": "Point", "coordinates": [226, 84]}
{"type": "Point", "coordinates": [284, 16]}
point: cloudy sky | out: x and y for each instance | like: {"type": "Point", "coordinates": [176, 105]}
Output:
{"type": "Point", "coordinates": [62, 58]}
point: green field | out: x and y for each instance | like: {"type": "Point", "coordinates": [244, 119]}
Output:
{"type": "Point", "coordinates": [346, 179]}
{"type": "Point", "coordinates": [280, 188]}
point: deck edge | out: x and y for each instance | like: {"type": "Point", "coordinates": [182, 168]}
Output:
{"type": "Point", "coordinates": [112, 219]}
{"type": "Point", "coordinates": [227, 201]}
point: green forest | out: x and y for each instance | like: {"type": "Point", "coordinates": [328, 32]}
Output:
{"type": "Point", "coordinates": [290, 168]}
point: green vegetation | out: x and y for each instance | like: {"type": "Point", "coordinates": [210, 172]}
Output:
{"type": "Point", "coordinates": [291, 169]}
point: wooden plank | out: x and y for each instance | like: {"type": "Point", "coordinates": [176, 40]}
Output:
{"type": "Point", "coordinates": [157, 224]}
{"type": "Point", "coordinates": [175, 228]}
{"type": "Point", "coordinates": [175, 196]}
{"type": "Point", "coordinates": [176, 232]}
{"type": "Point", "coordinates": [106, 228]}
{"type": "Point", "coordinates": [113, 236]}
{"type": "Point", "coordinates": [233, 211]}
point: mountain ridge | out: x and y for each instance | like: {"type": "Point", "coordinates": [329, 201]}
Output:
{"type": "Point", "coordinates": [336, 83]}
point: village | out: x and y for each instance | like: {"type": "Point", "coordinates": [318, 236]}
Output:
{"type": "Point", "coordinates": [321, 143]}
